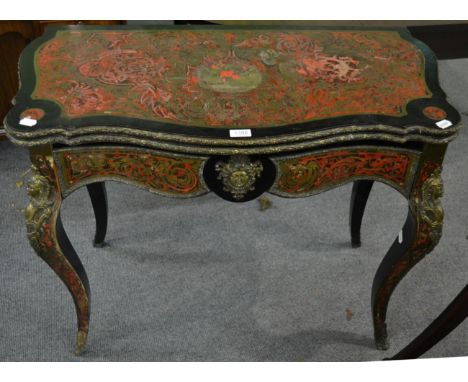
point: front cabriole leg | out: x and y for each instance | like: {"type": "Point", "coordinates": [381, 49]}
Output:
{"type": "Point", "coordinates": [420, 234]}
{"type": "Point", "coordinates": [48, 238]}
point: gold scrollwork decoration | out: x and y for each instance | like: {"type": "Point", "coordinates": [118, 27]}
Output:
{"type": "Point", "coordinates": [39, 209]}
{"type": "Point", "coordinates": [429, 205]}
{"type": "Point", "coordinates": [239, 175]}
{"type": "Point", "coordinates": [300, 176]}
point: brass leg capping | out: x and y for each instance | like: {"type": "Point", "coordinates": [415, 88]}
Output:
{"type": "Point", "coordinates": [48, 238]}
{"type": "Point", "coordinates": [420, 234]}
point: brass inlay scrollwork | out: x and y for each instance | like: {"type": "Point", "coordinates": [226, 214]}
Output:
{"type": "Point", "coordinates": [306, 174]}
{"type": "Point", "coordinates": [239, 175]}
{"type": "Point", "coordinates": [300, 176]}
{"type": "Point", "coordinates": [162, 173]}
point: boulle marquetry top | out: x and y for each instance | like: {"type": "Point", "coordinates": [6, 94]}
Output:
{"type": "Point", "coordinates": [186, 89]}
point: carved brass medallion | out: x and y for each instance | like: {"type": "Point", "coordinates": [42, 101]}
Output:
{"type": "Point", "coordinates": [238, 175]}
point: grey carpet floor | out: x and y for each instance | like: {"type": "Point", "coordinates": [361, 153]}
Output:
{"type": "Point", "coordinates": [207, 280]}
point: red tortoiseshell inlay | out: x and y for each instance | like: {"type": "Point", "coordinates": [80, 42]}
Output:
{"type": "Point", "coordinates": [170, 175]}
{"type": "Point", "coordinates": [435, 113]}
{"type": "Point", "coordinates": [317, 171]}
{"type": "Point", "coordinates": [210, 78]}
{"type": "Point", "coordinates": [33, 113]}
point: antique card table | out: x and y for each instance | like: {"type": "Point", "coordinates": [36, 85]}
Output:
{"type": "Point", "coordinates": [238, 111]}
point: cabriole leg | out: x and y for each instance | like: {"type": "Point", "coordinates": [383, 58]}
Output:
{"type": "Point", "coordinates": [49, 240]}
{"type": "Point", "coordinates": [97, 193]}
{"type": "Point", "coordinates": [420, 234]}
{"type": "Point", "coordinates": [359, 196]}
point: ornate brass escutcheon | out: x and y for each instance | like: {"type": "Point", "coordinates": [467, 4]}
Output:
{"type": "Point", "coordinates": [238, 175]}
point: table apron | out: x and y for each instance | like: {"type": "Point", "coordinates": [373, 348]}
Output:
{"type": "Point", "coordinates": [312, 173]}
{"type": "Point", "coordinates": [180, 175]}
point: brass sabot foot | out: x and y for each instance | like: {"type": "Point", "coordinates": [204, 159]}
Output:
{"type": "Point", "coordinates": [80, 342]}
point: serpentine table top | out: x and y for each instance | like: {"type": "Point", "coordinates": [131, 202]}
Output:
{"type": "Point", "coordinates": [189, 89]}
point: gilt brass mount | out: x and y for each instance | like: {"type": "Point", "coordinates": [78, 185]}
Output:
{"type": "Point", "coordinates": [238, 175]}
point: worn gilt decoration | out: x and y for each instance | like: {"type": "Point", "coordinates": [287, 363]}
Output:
{"type": "Point", "coordinates": [41, 219]}
{"type": "Point", "coordinates": [238, 175]}
{"type": "Point", "coordinates": [307, 174]}
{"type": "Point", "coordinates": [170, 175]}
{"type": "Point", "coordinates": [38, 213]}
{"type": "Point", "coordinates": [430, 209]}
{"type": "Point", "coordinates": [211, 78]}
{"type": "Point", "coordinates": [426, 207]}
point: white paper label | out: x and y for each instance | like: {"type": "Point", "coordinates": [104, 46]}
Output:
{"type": "Point", "coordinates": [27, 122]}
{"type": "Point", "coordinates": [400, 237]}
{"type": "Point", "coordinates": [240, 133]}
{"type": "Point", "coordinates": [444, 123]}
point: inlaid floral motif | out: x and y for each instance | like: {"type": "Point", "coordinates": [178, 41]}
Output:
{"type": "Point", "coordinates": [79, 98]}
